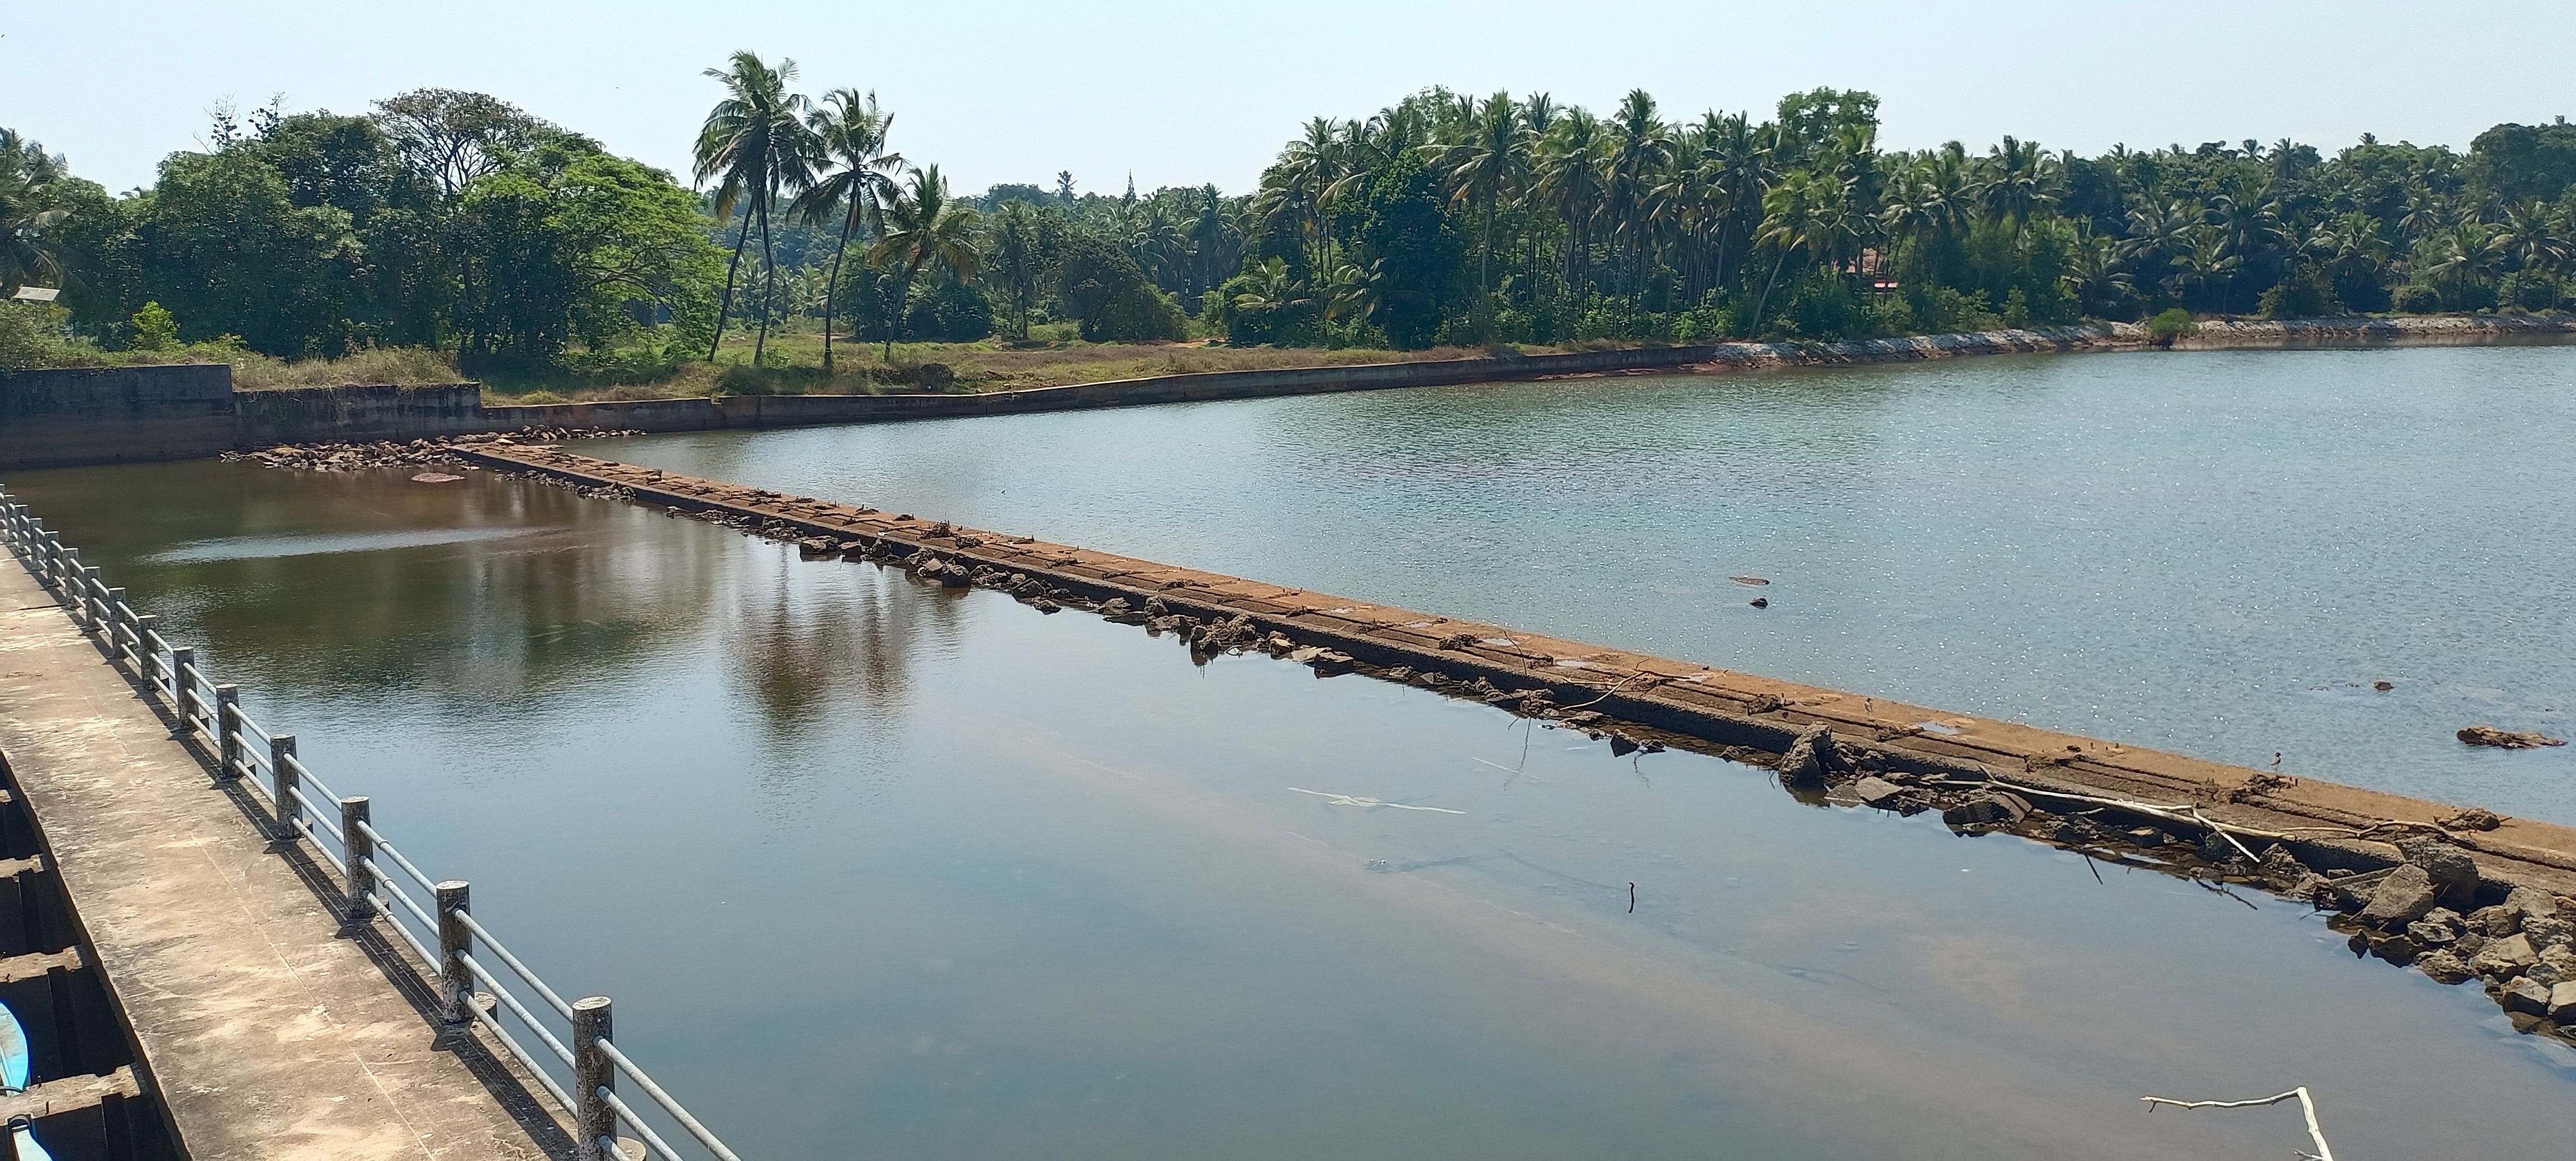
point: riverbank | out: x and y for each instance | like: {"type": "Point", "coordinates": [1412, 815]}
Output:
{"type": "Point", "coordinates": [92, 415]}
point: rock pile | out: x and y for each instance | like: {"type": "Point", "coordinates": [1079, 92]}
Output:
{"type": "Point", "coordinates": [371, 456]}
{"type": "Point", "coordinates": [2507, 739]}
{"type": "Point", "coordinates": [2424, 913]}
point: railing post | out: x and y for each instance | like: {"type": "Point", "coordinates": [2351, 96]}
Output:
{"type": "Point", "coordinates": [592, 1120]}
{"type": "Point", "coordinates": [281, 768]}
{"type": "Point", "coordinates": [359, 843]}
{"type": "Point", "coordinates": [456, 987]}
{"type": "Point", "coordinates": [228, 740]}
{"type": "Point", "coordinates": [147, 660]}
{"type": "Point", "coordinates": [91, 611]}
{"type": "Point", "coordinates": [111, 603]}
{"type": "Point", "coordinates": [182, 685]}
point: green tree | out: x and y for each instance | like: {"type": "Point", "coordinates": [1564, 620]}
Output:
{"type": "Point", "coordinates": [154, 329]}
{"type": "Point", "coordinates": [857, 178]}
{"type": "Point", "coordinates": [755, 145]}
{"type": "Point", "coordinates": [1016, 260]}
{"type": "Point", "coordinates": [28, 177]}
{"type": "Point", "coordinates": [924, 228]}
{"type": "Point", "coordinates": [1413, 252]}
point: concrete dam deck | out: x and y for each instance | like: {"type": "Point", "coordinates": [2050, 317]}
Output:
{"type": "Point", "coordinates": [2346, 828]}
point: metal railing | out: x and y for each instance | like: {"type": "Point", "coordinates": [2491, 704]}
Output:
{"type": "Point", "coordinates": [377, 880]}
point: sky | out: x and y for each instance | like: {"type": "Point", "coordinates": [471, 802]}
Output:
{"type": "Point", "coordinates": [1183, 94]}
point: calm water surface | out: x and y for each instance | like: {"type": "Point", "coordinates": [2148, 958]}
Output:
{"type": "Point", "coordinates": [880, 869]}
{"type": "Point", "coordinates": [2210, 552]}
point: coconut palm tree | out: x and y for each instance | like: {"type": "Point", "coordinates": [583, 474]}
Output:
{"type": "Point", "coordinates": [924, 227]}
{"type": "Point", "coordinates": [857, 176]}
{"type": "Point", "coordinates": [27, 178]}
{"type": "Point", "coordinates": [1017, 259]}
{"type": "Point", "coordinates": [1800, 212]}
{"type": "Point", "coordinates": [755, 145]}
{"type": "Point", "coordinates": [2528, 237]}
{"type": "Point", "coordinates": [1486, 166]}
{"type": "Point", "coordinates": [1570, 183]}
{"type": "Point", "coordinates": [1641, 146]}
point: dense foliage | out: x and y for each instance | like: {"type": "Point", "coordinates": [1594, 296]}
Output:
{"type": "Point", "coordinates": [1563, 225]}
{"type": "Point", "coordinates": [455, 221]}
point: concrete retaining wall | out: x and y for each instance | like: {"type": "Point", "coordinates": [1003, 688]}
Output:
{"type": "Point", "coordinates": [311, 414]}
{"type": "Point", "coordinates": [114, 414]}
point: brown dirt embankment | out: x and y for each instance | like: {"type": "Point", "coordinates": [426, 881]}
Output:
{"type": "Point", "coordinates": [1588, 686]}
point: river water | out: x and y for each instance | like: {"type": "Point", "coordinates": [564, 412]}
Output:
{"type": "Point", "coordinates": [874, 868]}
{"type": "Point", "coordinates": [2217, 553]}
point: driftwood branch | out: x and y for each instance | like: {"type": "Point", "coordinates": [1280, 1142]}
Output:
{"type": "Point", "coordinates": [2307, 1106]}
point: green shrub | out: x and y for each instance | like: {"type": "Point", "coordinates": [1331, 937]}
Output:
{"type": "Point", "coordinates": [31, 336]}
{"type": "Point", "coordinates": [2417, 298]}
{"type": "Point", "coordinates": [154, 329]}
{"type": "Point", "coordinates": [1136, 313]}
{"type": "Point", "coordinates": [2531, 290]}
{"type": "Point", "coordinates": [2173, 323]}
{"type": "Point", "coordinates": [2304, 293]}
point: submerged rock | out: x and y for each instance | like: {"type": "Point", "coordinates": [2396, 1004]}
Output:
{"type": "Point", "coordinates": [2507, 739]}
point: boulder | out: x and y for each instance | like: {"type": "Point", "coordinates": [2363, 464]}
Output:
{"type": "Point", "coordinates": [2525, 902]}
{"type": "Point", "coordinates": [2396, 949]}
{"type": "Point", "coordinates": [1876, 791]}
{"type": "Point", "coordinates": [2453, 872]}
{"type": "Point", "coordinates": [2526, 997]}
{"type": "Point", "coordinates": [1812, 757]}
{"type": "Point", "coordinates": [2562, 1003]}
{"type": "Point", "coordinates": [2549, 931]}
{"type": "Point", "coordinates": [2496, 920]}
{"type": "Point", "coordinates": [2445, 965]}
{"type": "Point", "coordinates": [2402, 898]}
{"type": "Point", "coordinates": [2427, 933]}
{"type": "Point", "coordinates": [2504, 958]}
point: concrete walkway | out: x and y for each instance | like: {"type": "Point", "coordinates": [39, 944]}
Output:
{"type": "Point", "coordinates": [267, 1031]}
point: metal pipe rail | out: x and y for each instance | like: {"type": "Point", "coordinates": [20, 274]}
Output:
{"type": "Point", "coordinates": [303, 810]}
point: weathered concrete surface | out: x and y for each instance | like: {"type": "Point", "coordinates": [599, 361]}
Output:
{"type": "Point", "coordinates": [1691, 701]}
{"type": "Point", "coordinates": [267, 1032]}
{"type": "Point", "coordinates": [98, 415]}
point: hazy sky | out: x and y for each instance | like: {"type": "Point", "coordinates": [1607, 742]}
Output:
{"type": "Point", "coordinates": [1009, 90]}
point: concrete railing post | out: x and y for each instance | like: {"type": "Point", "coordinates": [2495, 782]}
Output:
{"type": "Point", "coordinates": [593, 1122]}
{"type": "Point", "coordinates": [283, 770]}
{"type": "Point", "coordinates": [359, 843]}
{"type": "Point", "coordinates": [92, 610]}
{"type": "Point", "coordinates": [228, 739]}
{"type": "Point", "coordinates": [455, 985]}
{"type": "Point", "coordinates": [183, 684]}
{"type": "Point", "coordinates": [112, 611]}
{"type": "Point", "coordinates": [147, 660]}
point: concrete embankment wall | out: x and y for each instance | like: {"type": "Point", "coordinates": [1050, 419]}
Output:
{"type": "Point", "coordinates": [114, 414]}
{"type": "Point", "coordinates": [59, 418]}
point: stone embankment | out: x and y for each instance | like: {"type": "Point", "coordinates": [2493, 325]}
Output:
{"type": "Point", "coordinates": [2460, 893]}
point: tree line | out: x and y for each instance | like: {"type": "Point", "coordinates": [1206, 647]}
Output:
{"type": "Point", "coordinates": [1536, 222]}
{"type": "Point", "coordinates": [455, 220]}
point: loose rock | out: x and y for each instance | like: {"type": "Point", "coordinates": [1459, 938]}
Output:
{"type": "Point", "coordinates": [2503, 959]}
{"type": "Point", "coordinates": [2402, 898]}
{"type": "Point", "coordinates": [1876, 791]}
{"type": "Point", "coordinates": [2453, 872]}
{"type": "Point", "coordinates": [2526, 997]}
{"type": "Point", "coordinates": [2445, 965]}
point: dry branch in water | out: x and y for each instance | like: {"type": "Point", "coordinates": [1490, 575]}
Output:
{"type": "Point", "coordinates": [2309, 1107]}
